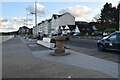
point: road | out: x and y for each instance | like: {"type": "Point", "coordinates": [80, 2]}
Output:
{"type": "Point", "coordinates": [89, 47]}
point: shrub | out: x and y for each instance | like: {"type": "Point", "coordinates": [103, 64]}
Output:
{"type": "Point", "coordinates": [110, 30]}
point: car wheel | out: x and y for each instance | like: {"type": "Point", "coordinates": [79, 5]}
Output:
{"type": "Point", "coordinates": [101, 47]}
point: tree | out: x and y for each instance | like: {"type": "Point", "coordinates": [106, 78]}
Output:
{"type": "Point", "coordinates": [96, 18]}
{"type": "Point", "coordinates": [118, 7]}
{"type": "Point", "coordinates": [106, 12]}
{"type": "Point", "coordinates": [108, 18]}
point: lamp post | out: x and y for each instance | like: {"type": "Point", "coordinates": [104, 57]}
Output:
{"type": "Point", "coordinates": [35, 13]}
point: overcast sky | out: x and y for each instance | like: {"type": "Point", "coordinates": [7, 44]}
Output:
{"type": "Point", "coordinates": [16, 14]}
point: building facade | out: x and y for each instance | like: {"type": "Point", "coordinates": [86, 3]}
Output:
{"type": "Point", "coordinates": [47, 27]}
{"type": "Point", "coordinates": [55, 23]}
{"type": "Point", "coordinates": [51, 25]}
{"type": "Point", "coordinates": [66, 19]}
{"type": "Point", "coordinates": [63, 20]}
{"type": "Point", "coordinates": [24, 30]}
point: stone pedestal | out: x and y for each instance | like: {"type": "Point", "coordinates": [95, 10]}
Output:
{"type": "Point", "coordinates": [59, 50]}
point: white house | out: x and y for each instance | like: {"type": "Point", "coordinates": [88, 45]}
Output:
{"type": "Point", "coordinates": [47, 26]}
{"type": "Point", "coordinates": [55, 23]}
{"type": "Point", "coordinates": [40, 27]}
{"type": "Point", "coordinates": [61, 20]}
{"type": "Point", "coordinates": [66, 19]}
{"type": "Point", "coordinates": [52, 25]}
{"type": "Point", "coordinates": [44, 27]}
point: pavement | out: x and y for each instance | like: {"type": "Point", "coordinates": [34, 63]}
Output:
{"type": "Point", "coordinates": [81, 60]}
{"type": "Point", "coordinates": [21, 60]}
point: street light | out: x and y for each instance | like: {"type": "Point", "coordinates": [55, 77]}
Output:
{"type": "Point", "coordinates": [35, 13]}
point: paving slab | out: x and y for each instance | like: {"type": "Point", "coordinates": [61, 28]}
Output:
{"type": "Point", "coordinates": [81, 60]}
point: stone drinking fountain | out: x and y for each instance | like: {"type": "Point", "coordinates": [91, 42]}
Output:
{"type": "Point", "coordinates": [59, 50]}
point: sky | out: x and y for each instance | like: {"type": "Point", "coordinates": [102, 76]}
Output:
{"type": "Point", "coordinates": [17, 14]}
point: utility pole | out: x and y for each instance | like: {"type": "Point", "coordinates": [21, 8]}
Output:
{"type": "Point", "coordinates": [35, 16]}
{"type": "Point", "coordinates": [35, 13]}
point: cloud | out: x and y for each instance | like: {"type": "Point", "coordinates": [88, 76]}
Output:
{"type": "Point", "coordinates": [7, 27]}
{"type": "Point", "coordinates": [14, 23]}
{"type": "Point", "coordinates": [22, 20]}
{"type": "Point", "coordinates": [78, 11]}
{"type": "Point", "coordinates": [3, 20]}
{"type": "Point", "coordinates": [19, 19]}
{"type": "Point", "coordinates": [114, 4]}
{"type": "Point", "coordinates": [40, 8]}
{"type": "Point", "coordinates": [28, 23]}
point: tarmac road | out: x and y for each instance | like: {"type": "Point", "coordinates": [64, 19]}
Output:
{"type": "Point", "coordinates": [89, 47]}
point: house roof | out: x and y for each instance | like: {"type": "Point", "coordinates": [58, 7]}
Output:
{"type": "Point", "coordinates": [25, 27]}
{"type": "Point", "coordinates": [39, 23]}
{"type": "Point", "coordinates": [55, 16]}
{"type": "Point", "coordinates": [81, 22]}
{"type": "Point", "coordinates": [43, 21]}
{"type": "Point", "coordinates": [49, 20]}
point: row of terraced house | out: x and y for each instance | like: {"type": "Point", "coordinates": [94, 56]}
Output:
{"type": "Point", "coordinates": [65, 21]}
{"type": "Point", "coordinates": [50, 26]}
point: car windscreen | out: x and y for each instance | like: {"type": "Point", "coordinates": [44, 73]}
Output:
{"type": "Point", "coordinates": [118, 36]}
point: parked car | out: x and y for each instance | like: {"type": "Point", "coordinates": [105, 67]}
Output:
{"type": "Point", "coordinates": [110, 42]}
{"type": "Point", "coordinates": [96, 33]}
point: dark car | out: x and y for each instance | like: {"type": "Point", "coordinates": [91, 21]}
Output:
{"type": "Point", "coordinates": [110, 42]}
{"type": "Point", "coordinates": [96, 33]}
